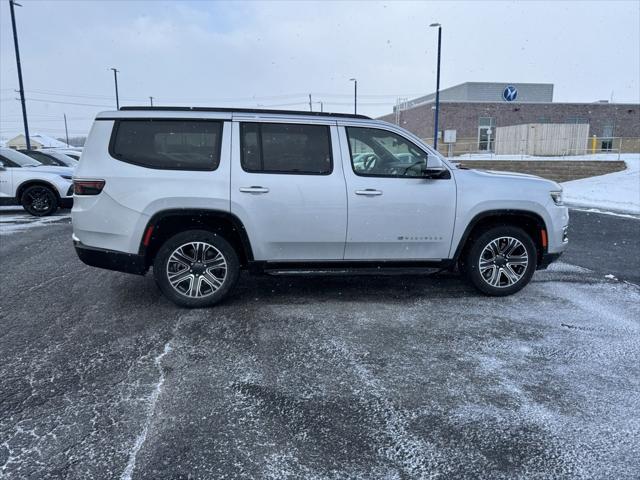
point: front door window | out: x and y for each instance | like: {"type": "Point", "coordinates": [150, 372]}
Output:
{"type": "Point", "coordinates": [379, 153]}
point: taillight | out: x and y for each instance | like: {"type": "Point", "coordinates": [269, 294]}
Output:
{"type": "Point", "coordinates": [87, 187]}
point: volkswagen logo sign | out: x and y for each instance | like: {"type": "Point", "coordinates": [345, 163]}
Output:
{"type": "Point", "coordinates": [510, 93]}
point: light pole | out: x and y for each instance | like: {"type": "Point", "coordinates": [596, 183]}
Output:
{"type": "Point", "coordinates": [151, 100]}
{"type": "Point", "coordinates": [24, 105]}
{"type": "Point", "coordinates": [355, 95]}
{"type": "Point", "coordinates": [115, 79]}
{"type": "Point", "coordinates": [437, 112]}
{"type": "Point", "coordinates": [66, 130]}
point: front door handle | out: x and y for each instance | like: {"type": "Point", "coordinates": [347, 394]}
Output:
{"type": "Point", "coordinates": [254, 189]}
{"type": "Point", "coordinates": [370, 192]}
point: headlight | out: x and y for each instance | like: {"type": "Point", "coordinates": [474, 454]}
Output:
{"type": "Point", "coordinates": [67, 177]}
{"type": "Point", "coordinates": [557, 197]}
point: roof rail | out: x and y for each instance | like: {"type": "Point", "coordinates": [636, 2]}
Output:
{"type": "Point", "coordinates": [243, 110]}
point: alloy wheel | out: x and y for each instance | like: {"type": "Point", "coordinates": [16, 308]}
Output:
{"type": "Point", "coordinates": [503, 262]}
{"type": "Point", "coordinates": [196, 269]}
{"type": "Point", "coordinates": [39, 199]}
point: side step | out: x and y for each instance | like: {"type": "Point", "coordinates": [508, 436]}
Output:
{"type": "Point", "coordinates": [356, 272]}
{"type": "Point", "coordinates": [418, 267]}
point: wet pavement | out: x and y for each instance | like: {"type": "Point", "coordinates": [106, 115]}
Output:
{"type": "Point", "coordinates": [312, 377]}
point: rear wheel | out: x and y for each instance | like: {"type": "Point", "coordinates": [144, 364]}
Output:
{"type": "Point", "coordinates": [501, 261]}
{"type": "Point", "coordinates": [39, 200]}
{"type": "Point", "coordinates": [196, 268]}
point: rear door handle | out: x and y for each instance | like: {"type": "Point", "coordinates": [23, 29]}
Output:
{"type": "Point", "coordinates": [369, 192]}
{"type": "Point", "coordinates": [254, 189]}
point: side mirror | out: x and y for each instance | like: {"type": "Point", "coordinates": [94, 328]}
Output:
{"type": "Point", "coordinates": [435, 167]}
{"type": "Point", "coordinates": [2, 167]}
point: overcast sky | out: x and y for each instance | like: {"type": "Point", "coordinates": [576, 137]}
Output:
{"type": "Point", "coordinates": [274, 54]}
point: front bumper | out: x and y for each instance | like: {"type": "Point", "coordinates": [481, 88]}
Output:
{"type": "Point", "coordinates": [111, 259]}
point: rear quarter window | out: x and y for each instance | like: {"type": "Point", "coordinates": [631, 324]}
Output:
{"type": "Point", "coordinates": [167, 144]}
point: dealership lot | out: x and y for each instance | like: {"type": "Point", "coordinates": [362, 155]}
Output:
{"type": "Point", "coordinates": [319, 377]}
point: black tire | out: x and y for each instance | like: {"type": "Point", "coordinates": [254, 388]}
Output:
{"type": "Point", "coordinates": [498, 274]}
{"type": "Point", "coordinates": [39, 200]}
{"type": "Point", "coordinates": [197, 269]}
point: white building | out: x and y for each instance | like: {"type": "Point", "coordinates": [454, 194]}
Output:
{"type": "Point", "coordinates": [38, 142]}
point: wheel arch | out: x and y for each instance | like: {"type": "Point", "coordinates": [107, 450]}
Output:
{"type": "Point", "coordinates": [33, 182]}
{"type": "Point", "coordinates": [166, 223]}
{"type": "Point", "coordinates": [529, 221]}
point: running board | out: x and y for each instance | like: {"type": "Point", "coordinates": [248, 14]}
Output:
{"type": "Point", "coordinates": [420, 267]}
{"type": "Point", "coordinates": [355, 271]}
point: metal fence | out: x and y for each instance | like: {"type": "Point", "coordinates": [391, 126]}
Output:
{"type": "Point", "coordinates": [596, 146]}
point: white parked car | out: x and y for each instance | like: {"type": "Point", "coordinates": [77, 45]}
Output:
{"type": "Point", "coordinates": [51, 157]}
{"type": "Point", "coordinates": [198, 194]}
{"type": "Point", "coordinates": [40, 189]}
{"type": "Point", "coordinates": [69, 152]}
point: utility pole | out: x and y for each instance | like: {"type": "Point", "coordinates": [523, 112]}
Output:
{"type": "Point", "coordinates": [24, 105]}
{"type": "Point", "coordinates": [66, 130]}
{"type": "Point", "coordinates": [151, 100]}
{"type": "Point", "coordinates": [115, 79]}
{"type": "Point", "coordinates": [310, 105]}
{"type": "Point", "coordinates": [321, 106]}
{"type": "Point", "coordinates": [355, 95]}
{"type": "Point", "coordinates": [437, 112]}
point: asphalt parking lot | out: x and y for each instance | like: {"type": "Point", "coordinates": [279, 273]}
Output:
{"type": "Point", "coordinates": [319, 377]}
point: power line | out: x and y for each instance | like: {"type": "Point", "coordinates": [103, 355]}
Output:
{"type": "Point", "coordinates": [68, 103]}
{"type": "Point", "coordinates": [221, 100]}
{"type": "Point", "coordinates": [40, 120]}
{"type": "Point", "coordinates": [132, 99]}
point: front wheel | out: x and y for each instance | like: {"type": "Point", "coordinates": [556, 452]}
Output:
{"type": "Point", "coordinates": [39, 201]}
{"type": "Point", "coordinates": [501, 261]}
{"type": "Point", "coordinates": [196, 268]}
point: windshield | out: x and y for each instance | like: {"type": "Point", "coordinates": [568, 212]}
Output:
{"type": "Point", "coordinates": [18, 158]}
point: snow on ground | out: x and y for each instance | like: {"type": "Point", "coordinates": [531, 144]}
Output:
{"type": "Point", "coordinates": [14, 219]}
{"type": "Point", "coordinates": [607, 157]}
{"type": "Point", "coordinates": [619, 191]}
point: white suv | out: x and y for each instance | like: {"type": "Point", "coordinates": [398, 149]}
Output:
{"type": "Point", "coordinates": [41, 189]}
{"type": "Point", "coordinates": [198, 194]}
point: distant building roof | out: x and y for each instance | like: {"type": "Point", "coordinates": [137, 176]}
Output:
{"type": "Point", "coordinates": [48, 142]}
{"type": "Point", "coordinates": [488, 92]}
{"type": "Point", "coordinates": [38, 140]}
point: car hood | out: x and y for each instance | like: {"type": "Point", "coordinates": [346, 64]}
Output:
{"type": "Point", "coordinates": [508, 176]}
{"type": "Point", "coordinates": [50, 169]}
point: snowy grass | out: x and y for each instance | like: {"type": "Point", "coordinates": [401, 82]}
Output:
{"type": "Point", "coordinates": [618, 191]}
{"type": "Point", "coordinates": [605, 157]}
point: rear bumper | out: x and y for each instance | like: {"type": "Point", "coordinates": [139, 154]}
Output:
{"type": "Point", "coordinates": [66, 201]}
{"type": "Point", "coordinates": [548, 259]}
{"type": "Point", "coordinates": [111, 259]}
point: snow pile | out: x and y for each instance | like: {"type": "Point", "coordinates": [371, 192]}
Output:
{"type": "Point", "coordinates": [619, 191]}
{"type": "Point", "coordinates": [607, 157]}
{"type": "Point", "coordinates": [14, 219]}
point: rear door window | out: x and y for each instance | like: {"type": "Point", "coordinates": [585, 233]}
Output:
{"type": "Point", "coordinates": [286, 148]}
{"type": "Point", "coordinates": [168, 144]}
